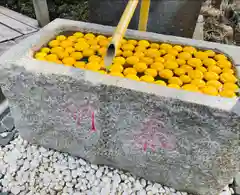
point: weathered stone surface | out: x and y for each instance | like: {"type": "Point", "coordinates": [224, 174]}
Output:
{"type": "Point", "coordinates": [3, 47]}
{"type": "Point", "coordinates": [181, 139]}
{"type": "Point", "coordinates": [237, 179]}
{"type": "Point", "coordinates": [8, 122]}
{"type": "Point", "coordinates": [2, 129]}
{"type": "Point", "coordinates": [6, 138]}
{"type": "Point", "coordinates": [237, 191]}
{"type": "Point", "coordinates": [237, 183]}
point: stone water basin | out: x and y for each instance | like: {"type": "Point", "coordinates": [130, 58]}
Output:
{"type": "Point", "coordinates": [179, 138]}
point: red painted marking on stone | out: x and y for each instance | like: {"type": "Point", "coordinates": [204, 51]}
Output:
{"type": "Point", "coordinates": [81, 112]}
{"type": "Point", "coordinates": [154, 134]}
{"type": "Point", "coordinates": [93, 122]}
{"type": "Point", "coordinates": [75, 115]}
{"type": "Point", "coordinates": [145, 146]}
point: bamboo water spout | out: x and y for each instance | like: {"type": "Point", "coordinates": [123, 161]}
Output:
{"type": "Point", "coordinates": [120, 31]}
{"type": "Point", "coordinates": [144, 13]}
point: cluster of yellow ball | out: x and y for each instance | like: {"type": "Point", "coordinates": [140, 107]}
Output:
{"type": "Point", "coordinates": [181, 67]}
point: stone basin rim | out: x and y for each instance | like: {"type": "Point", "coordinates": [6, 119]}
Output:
{"type": "Point", "coordinates": [21, 55]}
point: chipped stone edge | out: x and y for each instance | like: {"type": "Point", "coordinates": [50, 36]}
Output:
{"type": "Point", "coordinates": [21, 55]}
{"type": "Point", "coordinates": [3, 106]}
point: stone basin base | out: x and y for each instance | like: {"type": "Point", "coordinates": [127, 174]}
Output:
{"type": "Point", "coordinates": [185, 140]}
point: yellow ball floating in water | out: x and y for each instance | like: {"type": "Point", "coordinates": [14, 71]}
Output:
{"type": "Point", "coordinates": [174, 86]}
{"type": "Point", "coordinates": [210, 90]}
{"type": "Point", "coordinates": [131, 71]}
{"type": "Point", "coordinates": [166, 74]}
{"type": "Point", "coordinates": [184, 66]}
{"type": "Point", "coordinates": [227, 93]}
{"type": "Point", "coordinates": [133, 77]}
{"type": "Point", "coordinates": [147, 78]}
{"type": "Point", "coordinates": [175, 80]}
{"type": "Point", "coordinates": [190, 87]}
{"type": "Point", "coordinates": [151, 72]}
{"type": "Point", "coordinates": [160, 82]}
{"type": "Point", "coordinates": [140, 67]}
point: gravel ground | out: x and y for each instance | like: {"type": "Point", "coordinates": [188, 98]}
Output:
{"type": "Point", "coordinates": [27, 169]}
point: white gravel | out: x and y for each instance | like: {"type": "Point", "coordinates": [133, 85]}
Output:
{"type": "Point", "coordinates": [27, 169]}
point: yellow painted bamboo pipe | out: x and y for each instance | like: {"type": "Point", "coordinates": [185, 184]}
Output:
{"type": "Point", "coordinates": [120, 32]}
{"type": "Point", "coordinates": [144, 12]}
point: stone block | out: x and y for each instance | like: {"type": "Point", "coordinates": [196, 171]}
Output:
{"type": "Point", "coordinates": [2, 129]}
{"type": "Point", "coordinates": [185, 140]}
{"type": "Point", "coordinates": [237, 190]}
{"type": "Point", "coordinates": [6, 137]}
{"type": "Point", "coordinates": [237, 179]}
{"type": "Point", "coordinates": [8, 122]}
{"type": "Point", "coordinates": [237, 183]}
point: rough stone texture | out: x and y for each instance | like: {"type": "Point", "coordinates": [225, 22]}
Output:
{"type": "Point", "coordinates": [237, 179]}
{"type": "Point", "coordinates": [237, 183]}
{"type": "Point", "coordinates": [2, 129]}
{"type": "Point", "coordinates": [7, 131]}
{"type": "Point", "coordinates": [180, 139]}
{"type": "Point", "coordinates": [8, 122]}
{"type": "Point", "coordinates": [237, 190]}
{"type": "Point", "coordinates": [4, 140]}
